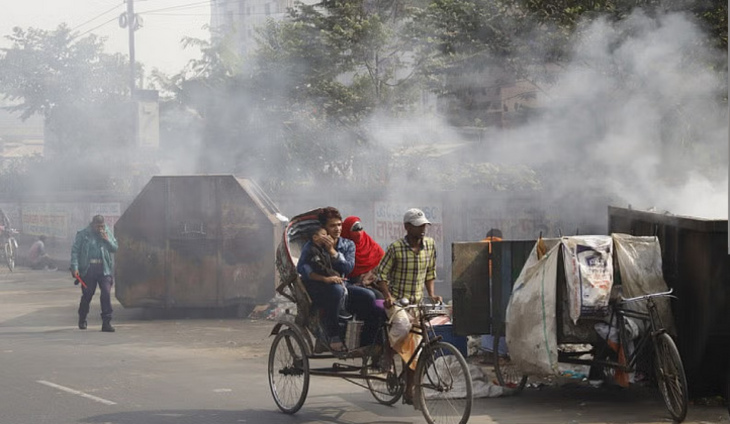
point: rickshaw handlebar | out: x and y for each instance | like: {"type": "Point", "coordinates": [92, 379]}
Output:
{"type": "Point", "coordinates": [647, 296]}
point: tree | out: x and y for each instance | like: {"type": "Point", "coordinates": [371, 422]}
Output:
{"type": "Point", "coordinates": [79, 90]}
{"type": "Point", "coordinates": [346, 59]}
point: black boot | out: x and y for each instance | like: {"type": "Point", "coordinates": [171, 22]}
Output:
{"type": "Point", "coordinates": [106, 326]}
{"type": "Point", "coordinates": [82, 323]}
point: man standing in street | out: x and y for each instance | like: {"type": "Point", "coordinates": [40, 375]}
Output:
{"type": "Point", "coordinates": [408, 266]}
{"type": "Point", "coordinates": [92, 264]}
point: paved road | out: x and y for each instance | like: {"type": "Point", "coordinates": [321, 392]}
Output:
{"type": "Point", "coordinates": [213, 371]}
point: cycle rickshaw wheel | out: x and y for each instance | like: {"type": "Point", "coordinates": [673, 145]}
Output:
{"type": "Point", "coordinates": [670, 376]}
{"type": "Point", "coordinates": [506, 373]}
{"type": "Point", "coordinates": [288, 371]}
{"type": "Point", "coordinates": [443, 385]}
{"type": "Point", "coordinates": [387, 365]}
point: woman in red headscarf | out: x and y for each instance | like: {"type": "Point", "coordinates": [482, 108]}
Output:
{"type": "Point", "coordinates": [368, 254]}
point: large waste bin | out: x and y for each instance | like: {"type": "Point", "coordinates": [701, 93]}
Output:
{"type": "Point", "coordinates": [197, 242]}
{"type": "Point", "coordinates": [695, 261]}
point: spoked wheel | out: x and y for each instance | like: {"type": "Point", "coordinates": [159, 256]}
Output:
{"type": "Point", "coordinates": [10, 255]}
{"type": "Point", "coordinates": [443, 385]}
{"type": "Point", "coordinates": [386, 369]}
{"type": "Point", "coordinates": [670, 376]}
{"type": "Point", "coordinates": [288, 371]}
{"type": "Point", "coordinates": [507, 374]}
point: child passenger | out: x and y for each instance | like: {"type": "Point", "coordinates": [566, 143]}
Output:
{"type": "Point", "coordinates": [316, 264]}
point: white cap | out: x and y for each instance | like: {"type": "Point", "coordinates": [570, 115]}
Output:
{"type": "Point", "coordinates": [415, 217]}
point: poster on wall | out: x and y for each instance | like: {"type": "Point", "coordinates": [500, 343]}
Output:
{"type": "Point", "coordinates": [45, 219]}
{"type": "Point", "coordinates": [111, 212]}
{"type": "Point", "coordinates": [389, 224]}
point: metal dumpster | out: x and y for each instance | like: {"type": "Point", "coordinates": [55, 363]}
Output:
{"type": "Point", "coordinates": [695, 261]}
{"type": "Point", "coordinates": [480, 296]}
{"type": "Point", "coordinates": [197, 242]}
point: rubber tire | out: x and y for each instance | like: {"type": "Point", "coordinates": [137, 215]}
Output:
{"type": "Point", "coordinates": [667, 357]}
{"type": "Point", "coordinates": [422, 379]}
{"type": "Point", "coordinates": [386, 393]}
{"type": "Point", "coordinates": [293, 349]}
{"type": "Point", "coordinates": [506, 378]}
{"type": "Point", "coordinates": [10, 255]}
{"type": "Point", "coordinates": [390, 392]}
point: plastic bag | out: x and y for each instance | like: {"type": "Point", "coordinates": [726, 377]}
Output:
{"type": "Point", "coordinates": [400, 325]}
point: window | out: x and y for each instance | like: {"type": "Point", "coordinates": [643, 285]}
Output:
{"type": "Point", "coordinates": [267, 8]}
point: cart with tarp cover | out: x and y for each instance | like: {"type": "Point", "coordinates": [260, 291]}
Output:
{"type": "Point", "coordinates": [598, 301]}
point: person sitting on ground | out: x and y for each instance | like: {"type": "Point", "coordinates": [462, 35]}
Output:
{"type": "Point", "coordinates": [38, 257]}
{"type": "Point", "coordinates": [368, 254]}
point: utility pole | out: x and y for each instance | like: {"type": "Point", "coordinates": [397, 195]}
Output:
{"type": "Point", "coordinates": [131, 25]}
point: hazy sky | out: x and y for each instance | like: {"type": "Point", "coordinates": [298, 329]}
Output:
{"type": "Point", "coordinates": [157, 43]}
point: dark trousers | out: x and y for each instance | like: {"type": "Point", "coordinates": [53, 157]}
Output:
{"type": "Point", "coordinates": [95, 276]}
{"type": "Point", "coordinates": [360, 301]}
{"type": "Point", "coordinates": [327, 298]}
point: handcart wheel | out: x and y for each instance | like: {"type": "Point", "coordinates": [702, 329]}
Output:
{"type": "Point", "coordinates": [507, 374]}
{"type": "Point", "coordinates": [670, 376]}
{"type": "Point", "coordinates": [384, 369]}
{"type": "Point", "coordinates": [288, 371]}
{"type": "Point", "coordinates": [443, 385]}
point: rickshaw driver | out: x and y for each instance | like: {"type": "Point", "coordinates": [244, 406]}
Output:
{"type": "Point", "coordinates": [408, 266]}
{"type": "Point", "coordinates": [328, 295]}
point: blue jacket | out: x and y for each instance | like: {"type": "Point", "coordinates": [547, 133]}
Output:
{"type": "Point", "coordinates": [86, 240]}
{"type": "Point", "coordinates": [343, 263]}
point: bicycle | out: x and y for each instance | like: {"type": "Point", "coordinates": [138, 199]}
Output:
{"type": "Point", "coordinates": [10, 249]}
{"type": "Point", "coordinates": [443, 385]}
{"type": "Point", "coordinates": [668, 367]}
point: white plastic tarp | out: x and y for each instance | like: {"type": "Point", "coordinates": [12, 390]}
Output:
{"type": "Point", "coordinates": [531, 326]}
{"type": "Point", "coordinates": [449, 366]}
{"type": "Point", "coordinates": [640, 264]}
{"type": "Point", "coordinates": [588, 274]}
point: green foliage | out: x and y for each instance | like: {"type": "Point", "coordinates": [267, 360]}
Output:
{"type": "Point", "coordinates": [72, 83]}
{"type": "Point", "coordinates": [346, 59]}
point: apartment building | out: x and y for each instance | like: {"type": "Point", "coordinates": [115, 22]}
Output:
{"type": "Point", "coordinates": [241, 18]}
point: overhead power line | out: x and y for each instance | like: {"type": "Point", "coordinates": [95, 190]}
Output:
{"type": "Point", "coordinates": [97, 27]}
{"type": "Point", "coordinates": [97, 16]}
{"type": "Point", "coordinates": [180, 7]}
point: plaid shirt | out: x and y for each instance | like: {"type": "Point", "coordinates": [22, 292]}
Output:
{"type": "Point", "coordinates": [406, 271]}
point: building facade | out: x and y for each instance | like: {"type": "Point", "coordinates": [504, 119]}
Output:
{"type": "Point", "coordinates": [240, 18]}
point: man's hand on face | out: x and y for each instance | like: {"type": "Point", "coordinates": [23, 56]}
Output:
{"type": "Point", "coordinates": [101, 230]}
{"type": "Point", "coordinates": [328, 243]}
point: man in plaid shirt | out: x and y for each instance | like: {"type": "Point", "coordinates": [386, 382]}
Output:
{"type": "Point", "coordinates": [409, 264]}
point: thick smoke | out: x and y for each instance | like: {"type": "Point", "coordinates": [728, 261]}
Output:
{"type": "Point", "coordinates": [637, 117]}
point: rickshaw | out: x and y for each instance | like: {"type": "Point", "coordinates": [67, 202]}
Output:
{"type": "Point", "coordinates": [442, 382]}
{"type": "Point", "coordinates": [634, 332]}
